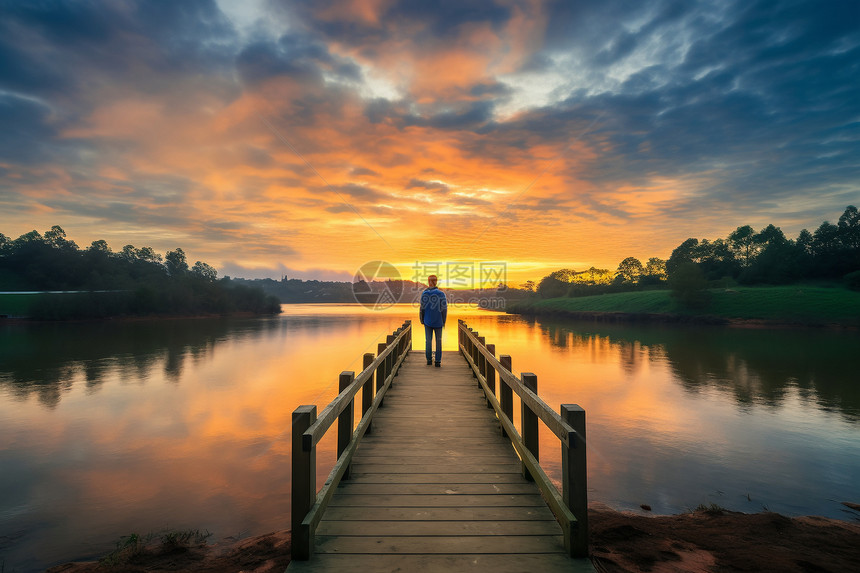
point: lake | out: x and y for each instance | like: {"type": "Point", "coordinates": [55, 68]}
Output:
{"type": "Point", "coordinates": [111, 428]}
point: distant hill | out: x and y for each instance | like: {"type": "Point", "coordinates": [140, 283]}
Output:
{"type": "Point", "coordinates": [292, 291]}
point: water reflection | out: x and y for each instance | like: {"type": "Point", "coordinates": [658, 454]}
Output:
{"type": "Point", "coordinates": [45, 359]}
{"type": "Point", "coordinates": [759, 367]}
{"type": "Point", "coordinates": [109, 428]}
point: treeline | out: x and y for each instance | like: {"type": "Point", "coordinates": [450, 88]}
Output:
{"type": "Point", "coordinates": [745, 256]}
{"type": "Point", "coordinates": [403, 291]}
{"type": "Point", "coordinates": [300, 291]}
{"type": "Point", "coordinates": [130, 282]}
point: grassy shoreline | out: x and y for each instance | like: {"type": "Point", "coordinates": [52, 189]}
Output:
{"type": "Point", "coordinates": [796, 305]}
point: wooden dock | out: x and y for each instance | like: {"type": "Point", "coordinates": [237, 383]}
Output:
{"type": "Point", "coordinates": [435, 486]}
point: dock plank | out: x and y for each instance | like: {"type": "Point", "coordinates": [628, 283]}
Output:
{"type": "Point", "coordinates": [435, 487]}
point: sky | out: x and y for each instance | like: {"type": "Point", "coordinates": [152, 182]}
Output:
{"type": "Point", "coordinates": [308, 138]}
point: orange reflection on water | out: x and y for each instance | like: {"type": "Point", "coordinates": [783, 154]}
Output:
{"type": "Point", "coordinates": [110, 428]}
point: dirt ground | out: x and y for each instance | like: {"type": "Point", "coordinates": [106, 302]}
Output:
{"type": "Point", "coordinates": [704, 541]}
{"type": "Point", "coordinates": [721, 541]}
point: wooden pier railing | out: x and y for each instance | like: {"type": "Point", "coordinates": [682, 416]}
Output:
{"type": "Point", "coordinates": [396, 531]}
{"type": "Point", "coordinates": [307, 506]}
{"type": "Point", "coordinates": [570, 505]}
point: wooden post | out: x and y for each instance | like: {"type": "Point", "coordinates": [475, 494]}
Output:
{"type": "Point", "coordinates": [574, 479]}
{"type": "Point", "coordinates": [506, 394]}
{"type": "Point", "coordinates": [367, 391]}
{"type": "Point", "coordinates": [460, 336]}
{"type": "Point", "coordinates": [529, 422]}
{"type": "Point", "coordinates": [304, 484]}
{"type": "Point", "coordinates": [392, 358]}
{"type": "Point", "coordinates": [345, 421]}
{"type": "Point", "coordinates": [473, 351]}
{"type": "Point", "coordinates": [380, 371]}
{"type": "Point", "coordinates": [490, 373]}
{"type": "Point", "coordinates": [482, 362]}
{"type": "Point", "coordinates": [479, 358]}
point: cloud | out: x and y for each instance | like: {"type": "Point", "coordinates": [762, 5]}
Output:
{"type": "Point", "coordinates": [623, 126]}
{"type": "Point", "coordinates": [432, 185]}
{"type": "Point", "coordinates": [26, 129]}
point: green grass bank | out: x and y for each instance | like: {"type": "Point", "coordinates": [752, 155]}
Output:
{"type": "Point", "coordinates": [778, 305]}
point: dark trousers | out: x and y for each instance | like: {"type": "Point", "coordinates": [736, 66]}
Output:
{"type": "Point", "coordinates": [429, 331]}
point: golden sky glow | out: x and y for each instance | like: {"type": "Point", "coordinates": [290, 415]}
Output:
{"type": "Point", "coordinates": [296, 138]}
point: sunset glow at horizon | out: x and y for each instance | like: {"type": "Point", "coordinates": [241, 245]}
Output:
{"type": "Point", "coordinates": [308, 138]}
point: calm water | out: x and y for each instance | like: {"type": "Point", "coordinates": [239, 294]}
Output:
{"type": "Point", "coordinates": [108, 429]}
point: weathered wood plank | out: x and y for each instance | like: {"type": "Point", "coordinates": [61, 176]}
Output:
{"type": "Point", "coordinates": [405, 458]}
{"type": "Point", "coordinates": [344, 499]}
{"type": "Point", "coordinates": [464, 448]}
{"type": "Point", "coordinates": [432, 468]}
{"type": "Point", "coordinates": [436, 488]}
{"type": "Point", "coordinates": [513, 476]}
{"type": "Point", "coordinates": [438, 514]}
{"type": "Point", "coordinates": [443, 488]}
{"type": "Point", "coordinates": [495, 545]}
{"type": "Point", "coordinates": [378, 563]}
{"type": "Point", "coordinates": [432, 528]}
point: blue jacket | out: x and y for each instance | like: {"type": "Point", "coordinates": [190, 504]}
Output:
{"type": "Point", "coordinates": [434, 308]}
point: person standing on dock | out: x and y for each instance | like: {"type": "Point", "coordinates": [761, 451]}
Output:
{"type": "Point", "coordinates": [433, 314]}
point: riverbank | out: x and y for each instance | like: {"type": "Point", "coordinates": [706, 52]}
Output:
{"type": "Point", "coordinates": [708, 539]}
{"type": "Point", "coordinates": [781, 306]}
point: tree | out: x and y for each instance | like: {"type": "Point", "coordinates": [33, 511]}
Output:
{"type": "Point", "coordinates": [805, 242]}
{"type": "Point", "coordinates": [743, 244]}
{"type": "Point", "coordinates": [551, 287]}
{"type": "Point", "coordinates": [528, 285]}
{"type": "Point", "coordinates": [593, 276]}
{"type": "Point", "coordinates": [689, 286]}
{"type": "Point", "coordinates": [849, 228]}
{"type": "Point", "coordinates": [720, 261]}
{"type": "Point", "coordinates": [683, 253]}
{"type": "Point", "coordinates": [31, 237]}
{"type": "Point", "coordinates": [564, 275]}
{"type": "Point", "coordinates": [629, 270]}
{"type": "Point", "coordinates": [826, 239]}
{"type": "Point", "coordinates": [654, 273]}
{"type": "Point", "coordinates": [776, 261]}
{"type": "Point", "coordinates": [99, 246]}
{"type": "Point", "coordinates": [148, 255]}
{"type": "Point", "coordinates": [204, 271]}
{"type": "Point", "coordinates": [56, 238]}
{"type": "Point", "coordinates": [128, 253]}
{"type": "Point", "coordinates": [176, 263]}
{"type": "Point", "coordinates": [769, 236]}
